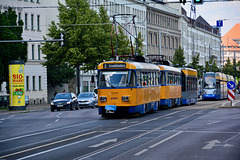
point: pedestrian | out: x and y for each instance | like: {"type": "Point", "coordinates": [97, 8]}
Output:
{"type": "Point", "coordinates": [55, 93]}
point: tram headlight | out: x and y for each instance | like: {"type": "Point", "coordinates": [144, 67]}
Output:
{"type": "Point", "coordinates": [103, 99]}
{"type": "Point", "coordinates": [125, 98]}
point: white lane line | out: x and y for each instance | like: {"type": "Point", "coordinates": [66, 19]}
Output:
{"type": "Point", "coordinates": [43, 132]}
{"type": "Point", "coordinates": [164, 140]}
{"type": "Point", "coordinates": [45, 145]}
{"type": "Point", "coordinates": [141, 152]}
{"type": "Point", "coordinates": [56, 120]}
{"type": "Point", "coordinates": [236, 118]}
{"type": "Point", "coordinates": [212, 122]}
{"type": "Point", "coordinates": [48, 125]}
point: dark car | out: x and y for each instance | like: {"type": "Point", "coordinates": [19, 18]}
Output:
{"type": "Point", "coordinates": [64, 101]}
{"type": "Point", "coordinates": [4, 101]}
{"type": "Point", "coordinates": [87, 99]}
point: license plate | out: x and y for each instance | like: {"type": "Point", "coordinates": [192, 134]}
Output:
{"type": "Point", "coordinates": [109, 111]}
{"type": "Point", "coordinates": [59, 105]}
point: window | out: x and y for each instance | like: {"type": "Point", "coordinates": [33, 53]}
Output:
{"type": "Point", "coordinates": [85, 86]}
{"type": "Point", "coordinates": [38, 22]}
{"type": "Point", "coordinates": [40, 82]}
{"type": "Point", "coordinates": [27, 83]}
{"type": "Point", "coordinates": [33, 52]}
{"type": "Point", "coordinates": [19, 16]}
{"type": "Point", "coordinates": [39, 51]}
{"type": "Point", "coordinates": [32, 21]}
{"type": "Point", "coordinates": [33, 83]}
{"type": "Point", "coordinates": [26, 20]}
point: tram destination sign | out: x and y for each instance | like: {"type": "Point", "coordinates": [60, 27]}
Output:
{"type": "Point", "coordinates": [114, 65]}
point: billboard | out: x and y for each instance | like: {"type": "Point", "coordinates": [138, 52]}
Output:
{"type": "Point", "coordinates": [16, 85]}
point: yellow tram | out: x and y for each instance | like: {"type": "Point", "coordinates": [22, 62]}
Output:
{"type": "Point", "coordinates": [128, 87]}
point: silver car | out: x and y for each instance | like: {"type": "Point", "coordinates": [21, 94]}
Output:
{"type": "Point", "coordinates": [87, 99]}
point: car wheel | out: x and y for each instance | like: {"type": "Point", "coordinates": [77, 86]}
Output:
{"type": "Point", "coordinates": [58, 109]}
{"type": "Point", "coordinates": [71, 107]}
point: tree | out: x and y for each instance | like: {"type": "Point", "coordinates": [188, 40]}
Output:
{"type": "Point", "coordinates": [10, 51]}
{"type": "Point", "coordinates": [139, 40]}
{"type": "Point", "coordinates": [211, 65]}
{"type": "Point", "coordinates": [228, 68]}
{"type": "Point", "coordinates": [85, 45]}
{"type": "Point", "coordinates": [178, 59]}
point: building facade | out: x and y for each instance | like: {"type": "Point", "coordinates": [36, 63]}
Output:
{"type": "Point", "coordinates": [231, 45]}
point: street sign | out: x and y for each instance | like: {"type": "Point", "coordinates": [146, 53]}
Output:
{"type": "Point", "coordinates": [231, 95]}
{"type": "Point", "coordinates": [219, 23]}
{"type": "Point", "coordinates": [231, 85]}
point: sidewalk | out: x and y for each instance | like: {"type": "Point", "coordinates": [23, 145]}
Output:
{"type": "Point", "coordinates": [29, 108]}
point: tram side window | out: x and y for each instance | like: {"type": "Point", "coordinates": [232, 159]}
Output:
{"type": "Point", "coordinates": [139, 78]}
{"type": "Point", "coordinates": [132, 81]}
{"type": "Point", "coordinates": [163, 78]}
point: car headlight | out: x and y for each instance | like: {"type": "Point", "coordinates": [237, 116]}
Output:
{"type": "Point", "coordinates": [68, 102]}
{"type": "Point", "coordinates": [103, 99]}
{"type": "Point", "coordinates": [52, 103]}
{"type": "Point", "coordinates": [125, 98]}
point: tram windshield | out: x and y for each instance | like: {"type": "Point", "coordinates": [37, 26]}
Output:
{"type": "Point", "coordinates": [116, 79]}
{"type": "Point", "coordinates": [209, 83]}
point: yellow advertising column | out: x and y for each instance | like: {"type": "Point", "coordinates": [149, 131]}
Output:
{"type": "Point", "coordinates": [16, 85]}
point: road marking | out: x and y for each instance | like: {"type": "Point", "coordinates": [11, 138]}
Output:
{"type": "Point", "coordinates": [236, 118]}
{"type": "Point", "coordinates": [57, 120]}
{"type": "Point", "coordinates": [38, 133]}
{"type": "Point", "coordinates": [48, 125]}
{"type": "Point", "coordinates": [215, 143]}
{"type": "Point", "coordinates": [164, 140]}
{"type": "Point", "coordinates": [104, 142]}
{"type": "Point", "coordinates": [141, 152]}
{"type": "Point", "coordinates": [212, 122]}
{"type": "Point", "coordinates": [45, 145]}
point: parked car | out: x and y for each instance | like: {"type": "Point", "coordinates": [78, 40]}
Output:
{"type": "Point", "coordinates": [26, 100]}
{"type": "Point", "coordinates": [4, 101]}
{"type": "Point", "coordinates": [87, 99]}
{"type": "Point", "coordinates": [64, 101]}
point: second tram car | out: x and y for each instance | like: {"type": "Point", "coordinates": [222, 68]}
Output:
{"type": "Point", "coordinates": [189, 86]}
{"type": "Point", "coordinates": [170, 86]}
{"type": "Point", "coordinates": [128, 87]}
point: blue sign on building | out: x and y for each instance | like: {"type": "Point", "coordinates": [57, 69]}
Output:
{"type": "Point", "coordinates": [219, 23]}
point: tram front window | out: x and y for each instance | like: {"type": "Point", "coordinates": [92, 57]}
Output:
{"type": "Point", "coordinates": [113, 79]}
{"type": "Point", "coordinates": [209, 83]}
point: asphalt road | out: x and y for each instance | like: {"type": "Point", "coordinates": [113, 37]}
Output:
{"type": "Point", "coordinates": [207, 130]}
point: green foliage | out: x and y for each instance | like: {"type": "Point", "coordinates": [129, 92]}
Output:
{"type": "Point", "coordinates": [10, 51]}
{"type": "Point", "coordinates": [211, 65]}
{"type": "Point", "coordinates": [179, 59]}
{"type": "Point", "coordinates": [64, 73]}
{"type": "Point", "coordinates": [140, 45]}
{"type": "Point", "coordinates": [86, 45]}
{"type": "Point", "coordinates": [228, 68]}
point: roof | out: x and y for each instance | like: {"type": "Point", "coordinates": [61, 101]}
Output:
{"type": "Point", "coordinates": [233, 33]}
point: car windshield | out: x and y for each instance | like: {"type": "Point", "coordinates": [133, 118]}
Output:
{"type": "Point", "coordinates": [113, 79]}
{"type": "Point", "coordinates": [209, 83]}
{"type": "Point", "coordinates": [84, 95]}
{"type": "Point", "coordinates": [62, 96]}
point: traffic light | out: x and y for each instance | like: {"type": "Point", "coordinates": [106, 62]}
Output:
{"type": "Point", "coordinates": [183, 2]}
{"type": "Point", "coordinates": [196, 2]}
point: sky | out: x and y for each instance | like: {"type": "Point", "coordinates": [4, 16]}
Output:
{"type": "Point", "coordinates": [213, 11]}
